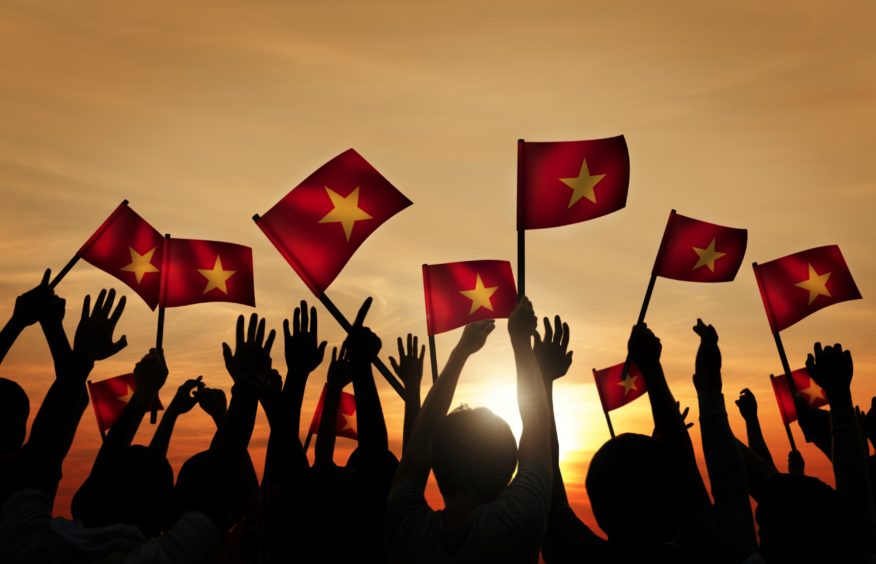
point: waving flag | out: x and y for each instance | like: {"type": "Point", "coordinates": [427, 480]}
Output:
{"type": "Point", "coordinates": [698, 251]}
{"type": "Point", "coordinates": [807, 390]}
{"type": "Point", "coordinates": [458, 293]}
{"type": "Point", "coordinates": [199, 271]}
{"type": "Point", "coordinates": [614, 391]}
{"type": "Point", "coordinates": [346, 416]}
{"type": "Point", "coordinates": [110, 397]}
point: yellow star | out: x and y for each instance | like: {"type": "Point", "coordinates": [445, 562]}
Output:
{"type": "Point", "coordinates": [583, 185]}
{"type": "Point", "coordinates": [708, 256]}
{"type": "Point", "coordinates": [140, 264]}
{"type": "Point", "coordinates": [629, 384]}
{"type": "Point", "coordinates": [216, 277]}
{"type": "Point", "coordinates": [345, 210]}
{"type": "Point", "coordinates": [479, 296]}
{"type": "Point", "coordinates": [349, 421]}
{"type": "Point", "coordinates": [816, 285]}
{"type": "Point", "coordinates": [813, 393]}
{"type": "Point", "coordinates": [127, 397]}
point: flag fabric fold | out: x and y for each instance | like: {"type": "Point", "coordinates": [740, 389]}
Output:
{"type": "Point", "coordinates": [110, 397]}
{"type": "Point", "coordinates": [615, 392]}
{"type": "Point", "coordinates": [807, 390]}
{"type": "Point", "coordinates": [318, 225]}
{"type": "Point", "coordinates": [458, 293]}
{"type": "Point", "coordinates": [128, 247]}
{"type": "Point", "coordinates": [797, 285]}
{"type": "Point", "coordinates": [346, 426]}
{"type": "Point", "coordinates": [698, 251]}
{"type": "Point", "coordinates": [197, 271]}
{"type": "Point", "coordinates": [565, 182]}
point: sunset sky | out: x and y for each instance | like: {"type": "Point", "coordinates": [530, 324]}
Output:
{"type": "Point", "coordinates": [748, 114]}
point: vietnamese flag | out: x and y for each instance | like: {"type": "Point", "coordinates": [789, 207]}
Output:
{"type": "Point", "coordinates": [564, 182]}
{"type": "Point", "coordinates": [797, 285]}
{"type": "Point", "coordinates": [698, 251]}
{"type": "Point", "coordinates": [614, 392]}
{"type": "Point", "coordinates": [458, 293]}
{"type": "Point", "coordinates": [130, 249]}
{"type": "Point", "coordinates": [806, 390]}
{"type": "Point", "coordinates": [110, 397]}
{"type": "Point", "coordinates": [319, 224]}
{"type": "Point", "coordinates": [346, 415]}
{"type": "Point", "coordinates": [197, 271]}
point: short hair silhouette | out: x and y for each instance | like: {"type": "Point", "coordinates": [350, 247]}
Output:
{"type": "Point", "coordinates": [194, 480]}
{"type": "Point", "coordinates": [132, 485]}
{"type": "Point", "coordinates": [635, 490]}
{"type": "Point", "coordinates": [14, 410]}
{"type": "Point", "coordinates": [802, 519]}
{"type": "Point", "coordinates": [473, 452]}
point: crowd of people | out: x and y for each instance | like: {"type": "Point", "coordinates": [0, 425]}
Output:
{"type": "Point", "coordinates": [504, 501]}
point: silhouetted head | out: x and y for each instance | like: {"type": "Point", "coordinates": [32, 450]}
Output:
{"type": "Point", "coordinates": [132, 485]}
{"type": "Point", "coordinates": [635, 490]}
{"type": "Point", "coordinates": [197, 479]}
{"type": "Point", "coordinates": [14, 409]}
{"type": "Point", "coordinates": [801, 519]}
{"type": "Point", "coordinates": [474, 453]}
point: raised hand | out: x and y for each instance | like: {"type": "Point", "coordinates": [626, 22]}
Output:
{"type": "Point", "coordinates": [94, 335]}
{"type": "Point", "coordinates": [32, 305]}
{"type": "Point", "coordinates": [644, 347]}
{"type": "Point", "coordinates": [362, 344]}
{"type": "Point", "coordinates": [150, 374]}
{"type": "Point", "coordinates": [251, 360]}
{"type": "Point", "coordinates": [409, 366]}
{"type": "Point", "coordinates": [213, 402]}
{"type": "Point", "coordinates": [474, 336]}
{"type": "Point", "coordinates": [747, 404]}
{"type": "Point", "coordinates": [340, 372]}
{"type": "Point", "coordinates": [522, 322]}
{"type": "Point", "coordinates": [186, 395]}
{"type": "Point", "coordinates": [304, 352]}
{"type": "Point", "coordinates": [552, 353]}
{"type": "Point", "coordinates": [831, 368]}
{"type": "Point", "coordinates": [708, 363]}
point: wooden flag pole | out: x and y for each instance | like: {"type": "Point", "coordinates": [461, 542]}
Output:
{"type": "Point", "coordinates": [521, 232]}
{"type": "Point", "coordinates": [604, 411]}
{"type": "Point", "coordinates": [159, 333]}
{"type": "Point", "coordinates": [433, 356]}
{"type": "Point", "coordinates": [381, 367]}
{"type": "Point", "coordinates": [307, 441]}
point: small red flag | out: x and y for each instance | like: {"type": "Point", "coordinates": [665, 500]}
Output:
{"type": "Point", "coordinates": [199, 271]}
{"type": "Point", "coordinates": [130, 249]}
{"type": "Point", "coordinates": [564, 182]}
{"type": "Point", "coordinates": [110, 397]}
{"type": "Point", "coordinates": [797, 285]}
{"type": "Point", "coordinates": [319, 224]}
{"type": "Point", "coordinates": [698, 251]}
{"type": "Point", "coordinates": [458, 293]}
{"type": "Point", "coordinates": [614, 392]}
{"type": "Point", "coordinates": [806, 389]}
{"type": "Point", "coordinates": [346, 415]}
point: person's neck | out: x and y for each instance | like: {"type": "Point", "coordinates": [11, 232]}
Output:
{"type": "Point", "coordinates": [458, 509]}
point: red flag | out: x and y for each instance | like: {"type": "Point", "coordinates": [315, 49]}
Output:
{"type": "Point", "coordinates": [797, 285]}
{"type": "Point", "coordinates": [806, 389]}
{"type": "Point", "coordinates": [346, 416]}
{"type": "Point", "coordinates": [130, 249]}
{"type": "Point", "coordinates": [565, 182]}
{"type": "Point", "coordinates": [698, 251]}
{"type": "Point", "coordinates": [110, 397]}
{"type": "Point", "coordinates": [319, 224]}
{"type": "Point", "coordinates": [614, 392]}
{"type": "Point", "coordinates": [458, 293]}
{"type": "Point", "coordinates": [199, 271]}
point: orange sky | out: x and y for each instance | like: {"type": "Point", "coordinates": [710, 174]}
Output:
{"type": "Point", "coordinates": [749, 114]}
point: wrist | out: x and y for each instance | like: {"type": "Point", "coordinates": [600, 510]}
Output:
{"type": "Point", "coordinates": [839, 398]}
{"type": "Point", "coordinates": [521, 340]}
{"type": "Point", "coordinates": [15, 323]}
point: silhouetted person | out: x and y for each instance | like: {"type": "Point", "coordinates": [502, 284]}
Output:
{"type": "Point", "coordinates": [747, 405]}
{"type": "Point", "coordinates": [473, 454]}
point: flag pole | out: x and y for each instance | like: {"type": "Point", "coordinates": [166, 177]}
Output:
{"type": "Point", "coordinates": [433, 356]}
{"type": "Point", "coordinates": [521, 232]}
{"type": "Point", "coordinates": [381, 367]}
{"type": "Point", "coordinates": [63, 272]}
{"type": "Point", "coordinates": [307, 441]}
{"type": "Point", "coordinates": [159, 334]}
{"type": "Point", "coordinates": [604, 411]}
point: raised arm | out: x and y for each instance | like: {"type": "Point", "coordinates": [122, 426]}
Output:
{"type": "Point", "coordinates": [183, 402]}
{"type": "Point", "coordinates": [831, 368]}
{"type": "Point", "coordinates": [409, 369]}
{"type": "Point", "coordinates": [29, 308]}
{"type": "Point", "coordinates": [340, 374]}
{"type": "Point", "coordinates": [815, 424]}
{"type": "Point", "coordinates": [724, 460]}
{"type": "Point", "coordinates": [747, 405]}
{"type": "Point", "coordinates": [415, 464]}
{"type": "Point", "coordinates": [363, 346]}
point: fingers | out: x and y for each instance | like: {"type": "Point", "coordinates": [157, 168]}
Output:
{"type": "Point", "coordinates": [117, 314]}
{"type": "Point", "coordinates": [251, 328]}
{"type": "Point", "coordinates": [401, 348]}
{"type": "Point", "coordinates": [270, 341]}
{"type": "Point", "coordinates": [296, 321]}
{"type": "Point", "coordinates": [564, 342]}
{"type": "Point", "coordinates": [239, 331]}
{"type": "Point", "coordinates": [286, 334]}
{"type": "Point", "coordinates": [86, 307]}
{"type": "Point", "coordinates": [226, 354]}
{"type": "Point", "coordinates": [321, 350]}
{"type": "Point", "coordinates": [423, 355]}
{"type": "Point", "coordinates": [118, 345]}
{"type": "Point", "coordinates": [363, 311]}
{"type": "Point", "coordinates": [305, 317]}
{"type": "Point", "coordinates": [410, 344]}
{"type": "Point", "coordinates": [98, 304]}
{"type": "Point", "coordinates": [260, 332]}
{"type": "Point", "coordinates": [46, 275]}
{"type": "Point", "coordinates": [548, 331]}
{"type": "Point", "coordinates": [558, 328]}
{"type": "Point", "coordinates": [334, 354]}
{"type": "Point", "coordinates": [394, 364]}
{"type": "Point", "coordinates": [313, 319]}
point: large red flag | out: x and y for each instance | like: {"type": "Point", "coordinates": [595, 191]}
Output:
{"type": "Point", "coordinates": [346, 416]}
{"type": "Point", "coordinates": [615, 392]}
{"type": "Point", "coordinates": [319, 224]}
{"type": "Point", "coordinates": [698, 251]}
{"type": "Point", "coordinates": [806, 389]}
{"type": "Point", "coordinates": [110, 397]}
{"type": "Point", "coordinates": [130, 249]}
{"type": "Point", "coordinates": [570, 181]}
{"type": "Point", "coordinates": [458, 293]}
{"type": "Point", "coordinates": [797, 285]}
{"type": "Point", "coordinates": [199, 271]}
